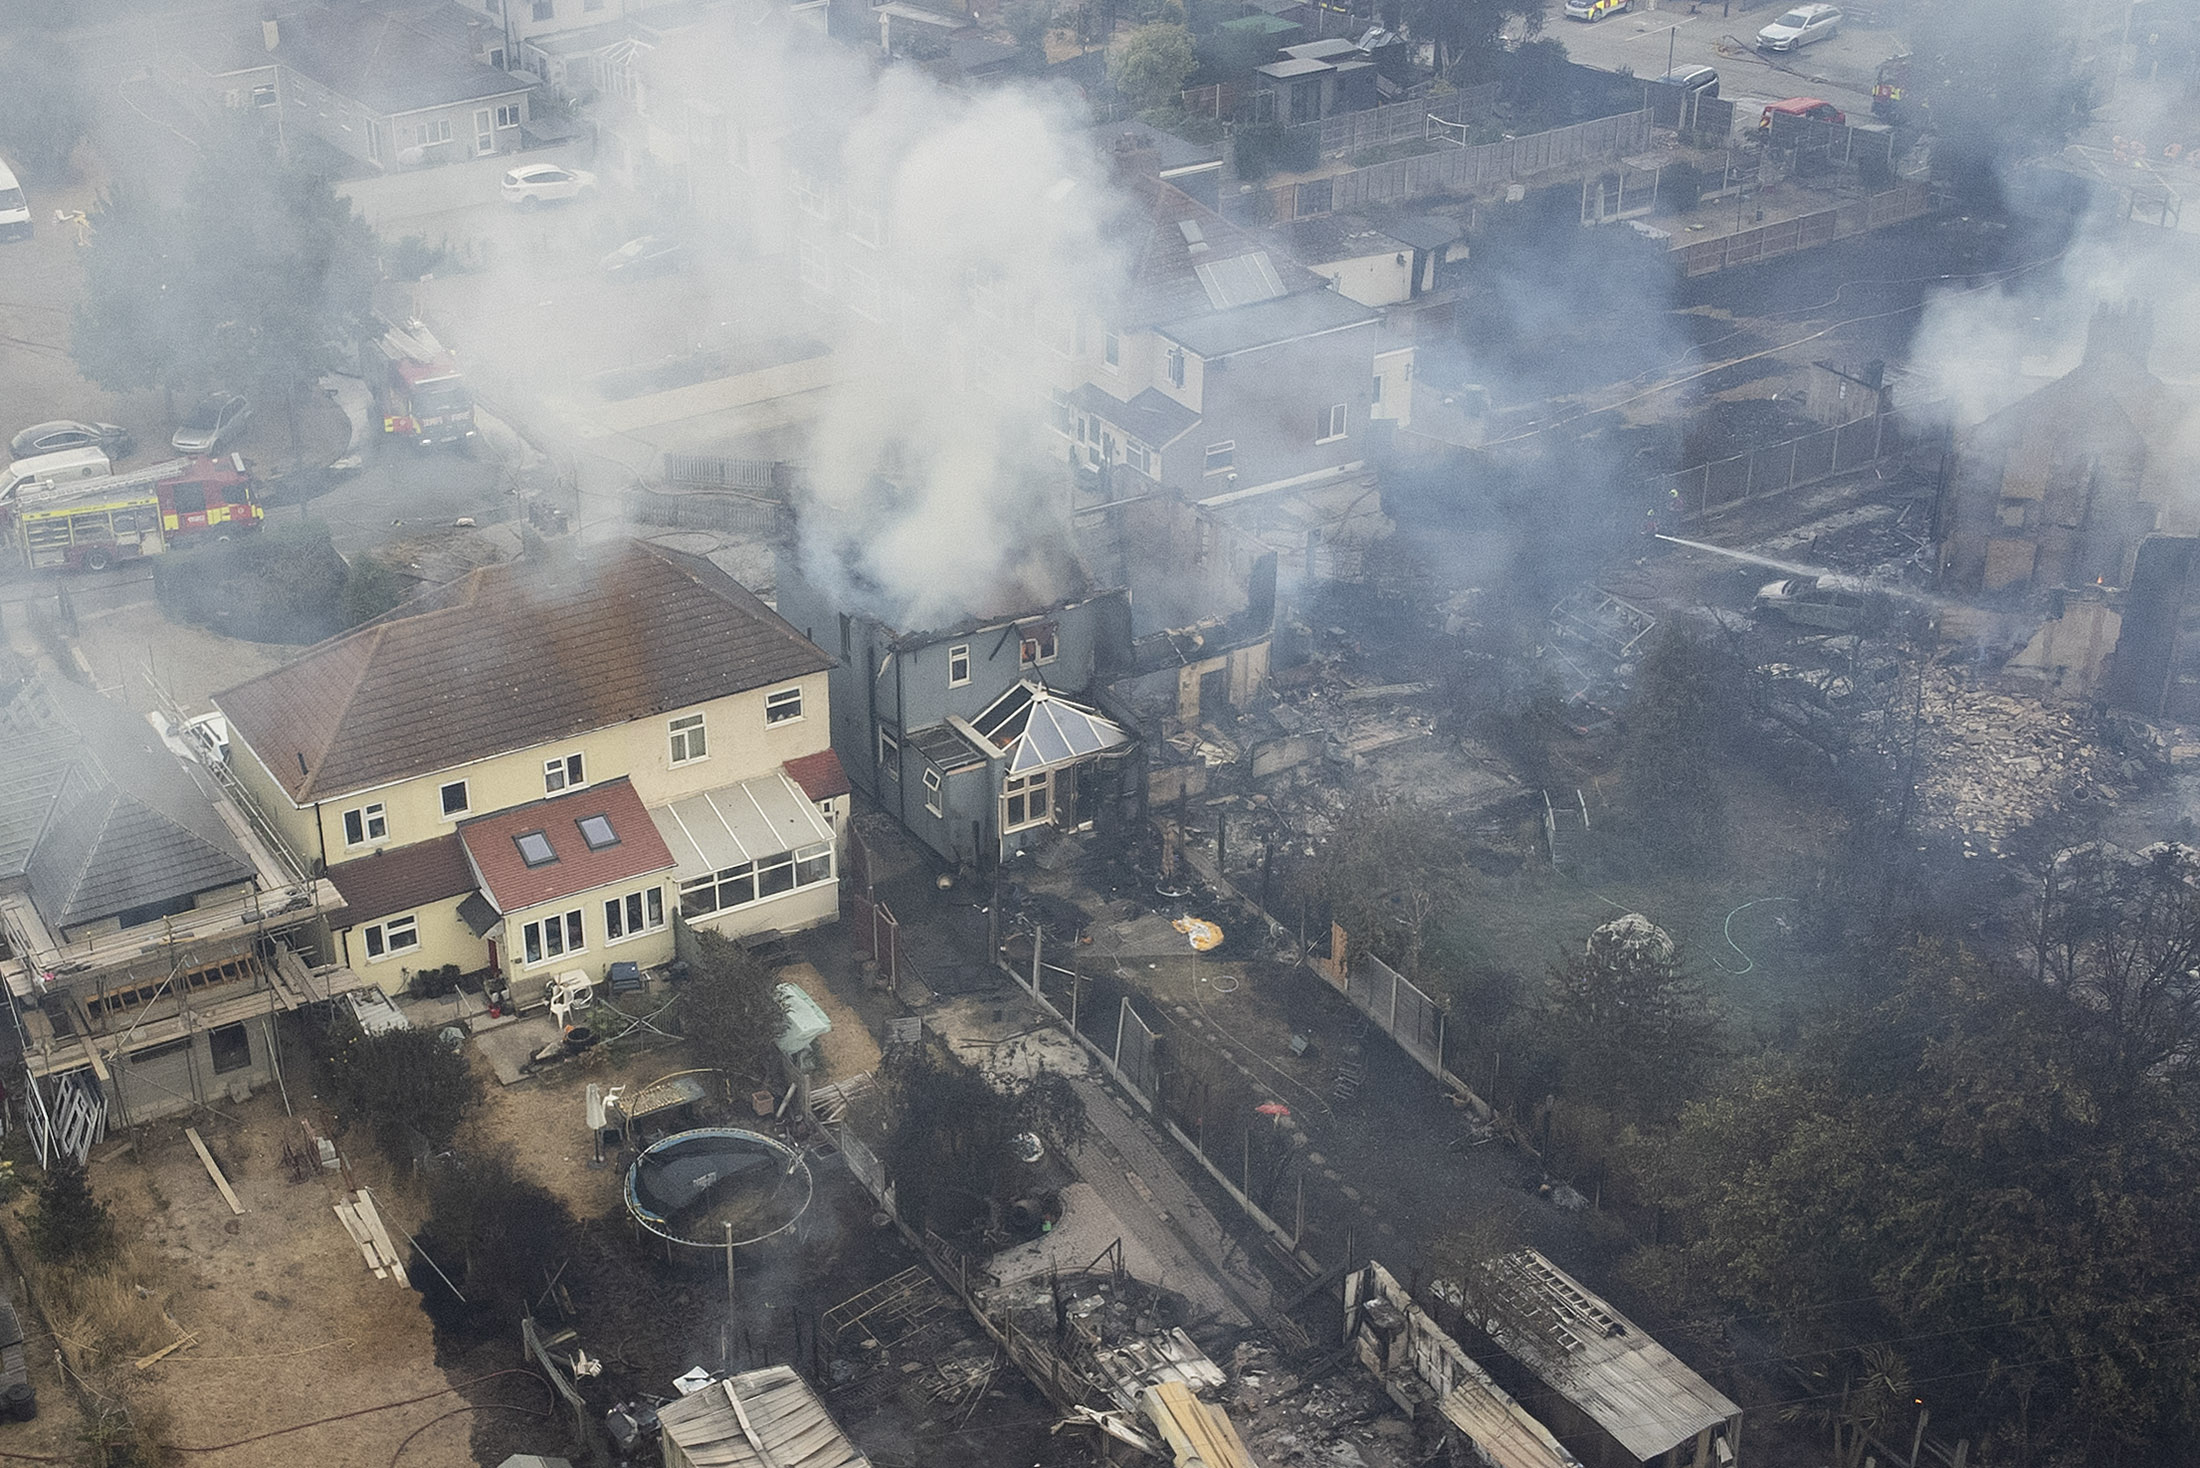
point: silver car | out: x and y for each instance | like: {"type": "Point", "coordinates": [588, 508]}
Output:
{"type": "Point", "coordinates": [213, 425]}
{"type": "Point", "coordinates": [1799, 28]}
{"type": "Point", "coordinates": [64, 434]}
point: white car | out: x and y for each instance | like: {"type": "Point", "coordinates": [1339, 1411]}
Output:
{"type": "Point", "coordinates": [1799, 27]}
{"type": "Point", "coordinates": [540, 183]}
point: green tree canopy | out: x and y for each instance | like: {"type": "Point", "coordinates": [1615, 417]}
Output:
{"type": "Point", "coordinates": [45, 109]}
{"type": "Point", "coordinates": [68, 1225]}
{"type": "Point", "coordinates": [407, 1086]}
{"type": "Point", "coordinates": [1465, 31]}
{"type": "Point", "coordinates": [1678, 721]}
{"type": "Point", "coordinates": [1149, 64]}
{"type": "Point", "coordinates": [730, 1008]}
{"type": "Point", "coordinates": [1631, 1028]}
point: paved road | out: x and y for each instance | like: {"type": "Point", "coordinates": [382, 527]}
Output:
{"type": "Point", "coordinates": [1840, 70]}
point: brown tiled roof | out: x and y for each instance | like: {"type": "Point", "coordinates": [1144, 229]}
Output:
{"type": "Point", "coordinates": [401, 878]}
{"type": "Point", "coordinates": [820, 775]}
{"type": "Point", "coordinates": [511, 656]}
{"type": "Point", "coordinates": [492, 845]}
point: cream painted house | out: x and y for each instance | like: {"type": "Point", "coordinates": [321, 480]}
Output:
{"type": "Point", "coordinates": [640, 685]}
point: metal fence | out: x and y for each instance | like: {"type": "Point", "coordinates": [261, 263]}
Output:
{"type": "Point", "coordinates": [1137, 1051]}
{"type": "Point", "coordinates": [1724, 483]}
{"type": "Point", "coordinates": [1398, 122]}
{"type": "Point", "coordinates": [1784, 237]}
{"type": "Point", "coordinates": [1458, 170]}
{"type": "Point", "coordinates": [715, 471]}
{"type": "Point", "coordinates": [1398, 1008]}
{"type": "Point", "coordinates": [729, 511]}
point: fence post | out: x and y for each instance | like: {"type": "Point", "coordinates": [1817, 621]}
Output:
{"type": "Point", "coordinates": [1836, 448]}
{"type": "Point", "coordinates": [1038, 936]}
{"type": "Point", "coordinates": [1393, 1025]}
{"type": "Point", "coordinates": [1123, 1010]}
{"type": "Point", "coordinates": [1795, 454]}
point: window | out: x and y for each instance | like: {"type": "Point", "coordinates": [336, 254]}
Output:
{"type": "Point", "coordinates": [865, 227]}
{"type": "Point", "coordinates": [439, 130]}
{"type": "Point", "coordinates": [687, 738]}
{"type": "Point", "coordinates": [932, 797]}
{"type": "Point", "coordinates": [454, 798]}
{"type": "Point", "coordinates": [546, 9]}
{"type": "Point", "coordinates": [816, 267]}
{"type": "Point", "coordinates": [554, 937]}
{"type": "Point", "coordinates": [1026, 799]}
{"type": "Point", "coordinates": [1038, 644]}
{"type": "Point", "coordinates": [783, 706]}
{"type": "Point", "coordinates": [958, 665]}
{"type": "Point", "coordinates": [392, 936]}
{"type": "Point", "coordinates": [1111, 350]}
{"type": "Point", "coordinates": [1176, 366]}
{"type": "Point", "coordinates": [634, 914]}
{"type": "Point", "coordinates": [232, 1047]}
{"type": "Point", "coordinates": [591, 4]}
{"type": "Point", "coordinates": [774, 875]}
{"type": "Point", "coordinates": [809, 197]}
{"type": "Point", "coordinates": [889, 753]}
{"type": "Point", "coordinates": [1378, 387]}
{"type": "Point", "coordinates": [368, 823]}
{"type": "Point", "coordinates": [1329, 424]}
{"type": "Point", "coordinates": [561, 774]}
{"type": "Point", "coordinates": [863, 296]}
{"type": "Point", "coordinates": [189, 499]}
{"type": "Point", "coordinates": [596, 830]}
{"type": "Point", "coordinates": [813, 864]}
{"type": "Point", "coordinates": [535, 848]}
{"type": "Point", "coordinates": [1138, 456]}
{"type": "Point", "coordinates": [1220, 456]}
{"type": "Point", "coordinates": [508, 114]}
{"type": "Point", "coordinates": [1060, 418]}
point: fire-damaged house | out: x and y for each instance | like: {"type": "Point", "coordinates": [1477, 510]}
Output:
{"type": "Point", "coordinates": [2073, 504]}
{"type": "Point", "coordinates": [150, 933]}
{"type": "Point", "coordinates": [986, 735]}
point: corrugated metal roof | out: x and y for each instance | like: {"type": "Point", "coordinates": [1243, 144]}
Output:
{"type": "Point", "coordinates": [508, 657]}
{"type": "Point", "coordinates": [760, 1419]}
{"type": "Point", "coordinates": [1197, 1432]}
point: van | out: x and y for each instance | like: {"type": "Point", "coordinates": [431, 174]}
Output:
{"type": "Point", "coordinates": [15, 210]}
{"type": "Point", "coordinates": [27, 477]}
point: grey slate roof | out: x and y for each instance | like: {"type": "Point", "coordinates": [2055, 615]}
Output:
{"type": "Point", "coordinates": [511, 656]}
{"type": "Point", "coordinates": [403, 59]}
{"type": "Point", "coordinates": [1283, 319]}
{"type": "Point", "coordinates": [96, 816]}
{"type": "Point", "coordinates": [1153, 417]}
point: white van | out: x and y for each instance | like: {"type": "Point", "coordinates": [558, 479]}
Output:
{"type": "Point", "coordinates": [15, 210]}
{"type": "Point", "coordinates": [27, 477]}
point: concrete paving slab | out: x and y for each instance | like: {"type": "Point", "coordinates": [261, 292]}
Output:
{"type": "Point", "coordinates": [508, 1048]}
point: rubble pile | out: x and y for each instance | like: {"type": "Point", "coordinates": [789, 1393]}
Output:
{"type": "Point", "coordinates": [1990, 763]}
{"type": "Point", "coordinates": [1342, 1420]}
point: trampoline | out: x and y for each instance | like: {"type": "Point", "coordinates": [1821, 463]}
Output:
{"type": "Point", "coordinates": [687, 1188]}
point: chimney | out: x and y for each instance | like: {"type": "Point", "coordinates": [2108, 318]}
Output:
{"type": "Point", "coordinates": [2121, 333]}
{"type": "Point", "coordinates": [270, 33]}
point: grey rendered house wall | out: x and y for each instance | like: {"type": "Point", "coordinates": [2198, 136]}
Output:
{"type": "Point", "coordinates": [1266, 400]}
{"type": "Point", "coordinates": [175, 1079]}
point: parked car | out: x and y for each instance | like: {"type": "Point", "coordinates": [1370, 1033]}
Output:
{"type": "Point", "coordinates": [542, 183]}
{"type": "Point", "coordinates": [650, 255]}
{"type": "Point", "coordinates": [1799, 28]}
{"type": "Point", "coordinates": [1693, 79]}
{"type": "Point", "coordinates": [1832, 603]}
{"type": "Point", "coordinates": [1596, 9]}
{"type": "Point", "coordinates": [213, 425]}
{"type": "Point", "coordinates": [64, 434]}
{"type": "Point", "coordinates": [1809, 108]}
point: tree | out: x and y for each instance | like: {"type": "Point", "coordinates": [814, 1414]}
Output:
{"type": "Point", "coordinates": [1149, 64]}
{"type": "Point", "coordinates": [406, 1085]}
{"type": "Point", "coordinates": [44, 108]}
{"type": "Point", "coordinates": [67, 1224]}
{"type": "Point", "coordinates": [1631, 1027]}
{"type": "Point", "coordinates": [1028, 23]}
{"type": "Point", "coordinates": [370, 589]}
{"type": "Point", "coordinates": [951, 1148]}
{"type": "Point", "coordinates": [731, 1010]}
{"type": "Point", "coordinates": [1677, 724]}
{"type": "Point", "coordinates": [131, 326]}
{"type": "Point", "coordinates": [1387, 873]}
{"type": "Point", "coordinates": [498, 1236]}
{"type": "Point", "coordinates": [1469, 31]}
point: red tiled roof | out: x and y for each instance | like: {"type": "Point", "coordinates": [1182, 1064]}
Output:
{"type": "Point", "coordinates": [820, 775]}
{"type": "Point", "coordinates": [491, 843]}
{"type": "Point", "coordinates": [402, 878]}
{"type": "Point", "coordinates": [510, 656]}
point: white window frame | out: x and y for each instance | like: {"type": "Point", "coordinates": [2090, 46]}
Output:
{"type": "Point", "coordinates": [1042, 645]}
{"type": "Point", "coordinates": [566, 772]}
{"type": "Point", "coordinates": [1111, 349]}
{"type": "Point", "coordinates": [435, 130]}
{"type": "Point", "coordinates": [508, 114]}
{"type": "Point", "coordinates": [815, 267]}
{"type": "Point", "coordinates": [934, 801]}
{"type": "Point", "coordinates": [783, 706]}
{"type": "Point", "coordinates": [889, 752]}
{"type": "Point", "coordinates": [866, 226]}
{"type": "Point", "coordinates": [1336, 419]}
{"type": "Point", "coordinates": [689, 739]}
{"type": "Point", "coordinates": [863, 296]}
{"type": "Point", "coordinates": [1022, 789]}
{"type": "Point", "coordinates": [1227, 449]}
{"type": "Point", "coordinates": [554, 938]}
{"type": "Point", "coordinates": [633, 915]}
{"type": "Point", "coordinates": [1176, 366]}
{"type": "Point", "coordinates": [391, 937]}
{"type": "Point", "coordinates": [374, 824]}
{"type": "Point", "coordinates": [808, 859]}
{"type": "Point", "coordinates": [809, 196]}
{"type": "Point", "coordinates": [443, 799]}
{"type": "Point", "coordinates": [959, 654]}
{"type": "Point", "coordinates": [1138, 456]}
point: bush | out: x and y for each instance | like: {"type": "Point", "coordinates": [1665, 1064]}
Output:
{"type": "Point", "coordinates": [731, 1010]}
{"type": "Point", "coordinates": [370, 589]}
{"type": "Point", "coordinates": [406, 1086]}
{"type": "Point", "coordinates": [413, 258]}
{"type": "Point", "coordinates": [281, 584]}
{"type": "Point", "coordinates": [497, 1236]}
{"type": "Point", "coordinates": [67, 1224]}
{"type": "Point", "coordinates": [1680, 188]}
{"type": "Point", "coordinates": [44, 111]}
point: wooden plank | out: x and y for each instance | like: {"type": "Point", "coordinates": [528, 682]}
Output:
{"type": "Point", "coordinates": [361, 1239]}
{"type": "Point", "coordinates": [372, 1217]}
{"type": "Point", "coordinates": [229, 1195]}
{"type": "Point", "coordinates": [187, 1339]}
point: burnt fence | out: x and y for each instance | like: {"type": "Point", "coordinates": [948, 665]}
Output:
{"type": "Point", "coordinates": [1763, 473]}
{"type": "Point", "coordinates": [1464, 169]}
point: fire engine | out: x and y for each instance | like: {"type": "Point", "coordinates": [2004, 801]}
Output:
{"type": "Point", "coordinates": [417, 385]}
{"type": "Point", "coordinates": [91, 525]}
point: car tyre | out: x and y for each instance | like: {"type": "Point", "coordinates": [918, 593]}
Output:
{"type": "Point", "coordinates": [97, 559]}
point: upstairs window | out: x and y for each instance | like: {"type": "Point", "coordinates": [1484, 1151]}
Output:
{"type": "Point", "coordinates": [454, 799]}
{"type": "Point", "coordinates": [1329, 424]}
{"type": "Point", "coordinates": [1220, 456]}
{"type": "Point", "coordinates": [597, 832]}
{"type": "Point", "coordinates": [562, 774]}
{"type": "Point", "coordinates": [958, 665]}
{"type": "Point", "coordinates": [366, 824]}
{"type": "Point", "coordinates": [1037, 645]}
{"type": "Point", "coordinates": [783, 706]}
{"type": "Point", "coordinates": [687, 738]}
